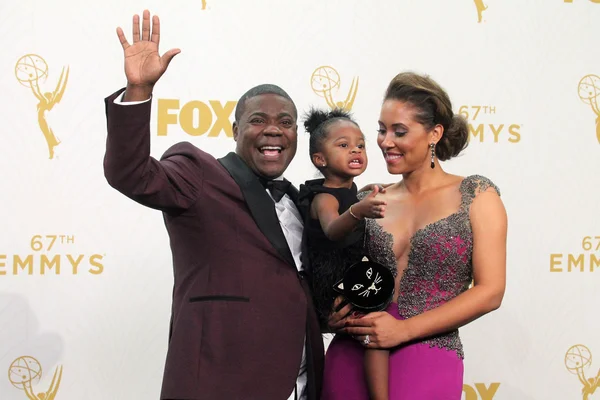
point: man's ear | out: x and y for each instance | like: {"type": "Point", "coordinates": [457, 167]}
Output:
{"type": "Point", "coordinates": [235, 128]}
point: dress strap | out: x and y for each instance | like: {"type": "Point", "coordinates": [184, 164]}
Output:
{"type": "Point", "coordinates": [471, 186]}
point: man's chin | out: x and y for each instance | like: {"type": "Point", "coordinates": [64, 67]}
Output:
{"type": "Point", "coordinates": [270, 169]}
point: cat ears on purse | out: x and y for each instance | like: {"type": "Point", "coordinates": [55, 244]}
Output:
{"type": "Point", "coordinates": [339, 286]}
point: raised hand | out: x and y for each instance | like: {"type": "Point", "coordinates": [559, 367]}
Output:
{"type": "Point", "coordinates": [143, 64]}
{"type": "Point", "coordinates": [370, 206]}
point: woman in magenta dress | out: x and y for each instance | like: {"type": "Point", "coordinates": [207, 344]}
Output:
{"type": "Point", "coordinates": [444, 232]}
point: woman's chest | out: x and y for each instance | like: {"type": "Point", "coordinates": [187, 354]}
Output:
{"type": "Point", "coordinates": [417, 234]}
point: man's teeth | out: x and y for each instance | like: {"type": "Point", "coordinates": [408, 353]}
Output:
{"type": "Point", "coordinates": [271, 148]}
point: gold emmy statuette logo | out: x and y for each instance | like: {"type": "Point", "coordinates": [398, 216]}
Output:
{"type": "Point", "coordinates": [589, 91]}
{"type": "Point", "coordinates": [204, 4]}
{"type": "Point", "coordinates": [26, 371]}
{"type": "Point", "coordinates": [578, 358]}
{"type": "Point", "coordinates": [325, 79]}
{"type": "Point", "coordinates": [480, 9]}
{"type": "Point", "coordinates": [30, 70]}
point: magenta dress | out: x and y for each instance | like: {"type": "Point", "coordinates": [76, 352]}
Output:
{"type": "Point", "coordinates": [439, 269]}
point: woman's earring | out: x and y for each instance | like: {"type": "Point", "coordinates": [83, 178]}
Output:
{"type": "Point", "coordinates": [432, 146]}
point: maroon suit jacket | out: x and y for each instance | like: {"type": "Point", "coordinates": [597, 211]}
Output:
{"type": "Point", "coordinates": [240, 308]}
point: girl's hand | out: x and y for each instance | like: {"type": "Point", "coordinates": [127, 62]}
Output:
{"type": "Point", "coordinates": [369, 207]}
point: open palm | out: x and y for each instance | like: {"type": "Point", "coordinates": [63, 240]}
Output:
{"type": "Point", "coordinates": [143, 64]}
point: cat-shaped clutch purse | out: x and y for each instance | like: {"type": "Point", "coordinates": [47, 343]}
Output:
{"type": "Point", "coordinates": [367, 285]}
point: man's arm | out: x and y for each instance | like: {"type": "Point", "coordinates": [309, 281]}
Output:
{"type": "Point", "coordinates": [171, 184]}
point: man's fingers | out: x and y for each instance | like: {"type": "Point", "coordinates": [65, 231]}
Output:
{"type": "Point", "coordinates": [122, 38]}
{"type": "Point", "coordinates": [338, 300]}
{"type": "Point", "coordinates": [155, 29]}
{"type": "Point", "coordinates": [337, 318]}
{"type": "Point", "coordinates": [146, 25]}
{"type": "Point", "coordinates": [337, 326]}
{"type": "Point", "coordinates": [342, 313]}
{"type": "Point", "coordinates": [168, 56]}
{"type": "Point", "coordinates": [135, 31]}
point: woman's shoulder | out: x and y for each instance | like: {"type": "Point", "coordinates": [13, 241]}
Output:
{"type": "Point", "coordinates": [475, 184]}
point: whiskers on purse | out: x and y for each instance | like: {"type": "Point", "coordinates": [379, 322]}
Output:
{"type": "Point", "coordinates": [367, 285]}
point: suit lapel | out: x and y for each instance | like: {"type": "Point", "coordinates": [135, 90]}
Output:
{"type": "Point", "coordinates": [293, 193]}
{"type": "Point", "coordinates": [260, 204]}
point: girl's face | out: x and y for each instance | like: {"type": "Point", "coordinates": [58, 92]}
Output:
{"type": "Point", "coordinates": [342, 151]}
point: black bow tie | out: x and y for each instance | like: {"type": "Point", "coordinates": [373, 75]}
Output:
{"type": "Point", "coordinates": [277, 188]}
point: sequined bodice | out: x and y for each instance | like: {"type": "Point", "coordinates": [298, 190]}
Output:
{"type": "Point", "coordinates": [439, 262]}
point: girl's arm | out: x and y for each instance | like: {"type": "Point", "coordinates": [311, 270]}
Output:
{"type": "Point", "coordinates": [335, 226]}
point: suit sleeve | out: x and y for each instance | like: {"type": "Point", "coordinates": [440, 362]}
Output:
{"type": "Point", "coordinates": [171, 184]}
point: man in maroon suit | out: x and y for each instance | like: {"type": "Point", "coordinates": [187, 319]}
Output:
{"type": "Point", "coordinates": [243, 325]}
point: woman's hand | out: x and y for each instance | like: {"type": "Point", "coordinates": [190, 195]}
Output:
{"type": "Point", "coordinates": [383, 330]}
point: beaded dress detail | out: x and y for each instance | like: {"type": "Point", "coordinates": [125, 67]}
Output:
{"type": "Point", "coordinates": [439, 261]}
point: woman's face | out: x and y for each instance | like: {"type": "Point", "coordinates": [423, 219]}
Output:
{"type": "Point", "coordinates": [403, 141]}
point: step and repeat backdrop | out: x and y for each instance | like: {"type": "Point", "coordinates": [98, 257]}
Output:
{"type": "Point", "coordinates": [86, 274]}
